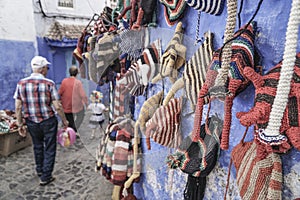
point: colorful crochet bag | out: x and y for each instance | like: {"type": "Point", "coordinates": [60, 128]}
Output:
{"type": "Point", "coordinates": [259, 115]}
{"type": "Point", "coordinates": [214, 7]}
{"type": "Point", "coordinates": [197, 156]}
{"type": "Point", "coordinates": [242, 55]}
{"type": "Point", "coordinates": [256, 178]}
{"type": "Point", "coordinates": [278, 93]}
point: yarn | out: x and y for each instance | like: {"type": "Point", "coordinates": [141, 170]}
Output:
{"type": "Point", "coordinates": [286, 73]}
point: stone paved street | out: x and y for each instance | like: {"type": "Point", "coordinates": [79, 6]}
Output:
{"type": "Point", "coordinates": [74, 172]}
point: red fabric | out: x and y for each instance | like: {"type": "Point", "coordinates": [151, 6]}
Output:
{"type": "Point", "coordinates": [73, 97]}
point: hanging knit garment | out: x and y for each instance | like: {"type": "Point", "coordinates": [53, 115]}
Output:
{"type": "Point", "coordinates": [122, 158]}
{"type": "Point", "coordinates": [242, 55]}
{"type": "Point", "coordinates": [173, 10]}
{"type": "Point", "coordinates": [148, 62]}
{"type": "Point", "coordinates": [173, 57]}
{"type": "Point", "coordinates": [133, 42]}
{"type": "Point", "coordinates": [164, 126]}
{"type": "Point", "coordinates": [147, 110]}
{"type": "Point", "coordinates": [149, 8]}
{"type": "Point", "coordinates": [194, 72]}
{"type": "Point", "coordinates": [198, 159]}
{"type": "Point", "coordinates": [265, 92]}
{"type": "Point", "coordinates": [106, 52]}
{"type": "Point", "coordinates": [213, 7]}
{"type": "Point", "coordinates": [272, 133]}
{"type": "Point", "coordinates": [257, 178]}
{"type": "Point", "coordinates": [132, 81]}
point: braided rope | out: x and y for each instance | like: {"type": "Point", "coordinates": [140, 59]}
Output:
{"type": "Point", "coordinates": [229, 32]}
{"type": "Point", "coordinates": [287, 70]}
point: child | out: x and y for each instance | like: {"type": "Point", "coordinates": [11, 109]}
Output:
{"type": "Point", "coordinates": [97, 118]}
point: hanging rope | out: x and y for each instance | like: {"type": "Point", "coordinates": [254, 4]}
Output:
{"type": "Point", "coordinates": [229, 32]}
{"type": "Point", "coordinates": [286, 73]}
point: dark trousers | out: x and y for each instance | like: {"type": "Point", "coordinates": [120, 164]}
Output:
{"type": "Point", "coordinates": [43, 136]}
{"type": "Point", "coordinates": [75, 119]}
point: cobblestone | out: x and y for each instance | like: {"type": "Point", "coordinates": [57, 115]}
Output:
{"type": "Point", "coordinates": [74, 172]}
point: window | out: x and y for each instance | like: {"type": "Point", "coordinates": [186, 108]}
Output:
{"type": "Point", "coordinates": [65, 3]}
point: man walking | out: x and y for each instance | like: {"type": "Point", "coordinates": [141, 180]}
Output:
{"type": "Point", "coordinates": [73, 99]}
{"type": "Point", "coordinates": [35, 95]}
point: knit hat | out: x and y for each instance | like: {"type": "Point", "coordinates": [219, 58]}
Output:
{"type": "Point", "coordinates": [164, 126]}
{"type": "Point", "coordinates": [259, 115]}
{"type": "Point", "coordinates": [147, 110]}
{"type": "Point", "coordinates": [149, 61]}
{"type": "Point", "coordinates": [173, 57]}
{"type": "Point", "coordinates": [194, 72]}
{"type": "Point", "coordinates": [132, 81]}
{"type": "Point", "coordinates": [39, 62]}
{"type": "Point", "coordinates": [242, 55]}
{"type": "Point", "coordinates": [173, 10]}
{"type": "Point", "coordinates": [106, 52]}
{"type": "Point", "coordinates": [214, 7]}
{"type": "Point", "coordinates": [257, 178]}
{"type": "Point", "coordinates": [198, 156]}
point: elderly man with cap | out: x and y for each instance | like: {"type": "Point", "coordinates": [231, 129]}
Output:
{"type": "Point", "coordinates": [36, 96]}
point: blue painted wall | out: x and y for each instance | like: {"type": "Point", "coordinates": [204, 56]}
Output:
{"type": "Point", "coordinates": [14, 64]}
{"type": "Point", "coordinates": [157, 182]}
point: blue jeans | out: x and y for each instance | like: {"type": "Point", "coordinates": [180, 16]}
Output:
{"type": "Point", "coordinates": [43, 136]}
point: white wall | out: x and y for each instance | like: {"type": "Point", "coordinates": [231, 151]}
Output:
{"type": "Point", "coordinates": [79, 15]}
{"type": "Point", "coordinates": [16, 20]}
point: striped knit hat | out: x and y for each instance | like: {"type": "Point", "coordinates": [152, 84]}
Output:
{"type": "Point", "coordinates": [106, 52]}
{"type": "Point", "coordinates": [173, 10]}
{"type": "Point", "coordinates": [259, 115]}
{"type": "Point", "coordinates": [214, 7]}
{"type": "Point", "coordinates": [149, 61]}
{"type": "Point", "coordinates": [132, 81]}
{"type": "Point", "coordinates": [173, 57]}
{"type": "Point", "coordinates": [242, 50]}
{"type": "Point", "coordinates": [257, 178]}
{"type": "Point", "coordinates": [194, 72]}
{"type": "Point", "coordinates": [148, 109]}
{"type": "Point", "coordinates": [164, 126]}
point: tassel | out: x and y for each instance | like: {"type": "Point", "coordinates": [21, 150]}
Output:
{"type": "Point", "coordinates": [195, 188]}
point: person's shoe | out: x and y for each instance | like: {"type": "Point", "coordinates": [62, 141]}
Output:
{"type": "Point", "coordinates": [77, 135]}
{"type": "Point", "coordinates": [39, 174]}
{"type": "Point", "coordinates": [43, 183]}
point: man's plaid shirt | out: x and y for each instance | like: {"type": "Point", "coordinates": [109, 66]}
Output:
{"type": "Point", "coordinates": [36, 93]}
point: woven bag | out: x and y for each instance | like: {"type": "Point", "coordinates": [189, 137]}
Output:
{"type": "Point", "coordinates": [257, 178]}
{"type": "Point", "coordinates": [259, 114]}
{"type": "Point", "coordinates": [198, 159]}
